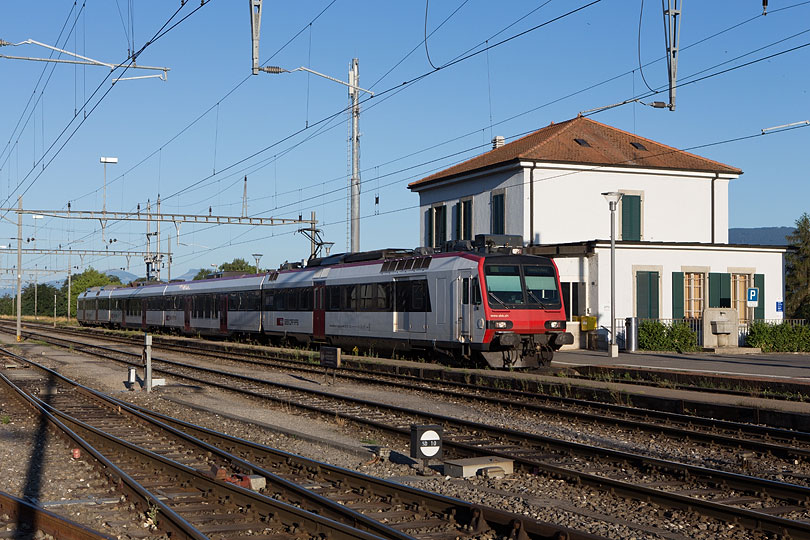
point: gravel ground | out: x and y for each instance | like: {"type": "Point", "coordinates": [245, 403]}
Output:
{"type": "Point", "coordinates": [37, 464]}
{"type": "Point", "coordinates": [540, 497]}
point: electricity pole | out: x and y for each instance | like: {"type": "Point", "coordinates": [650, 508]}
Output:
{"type": "Point", "coordinates": [354, 183]}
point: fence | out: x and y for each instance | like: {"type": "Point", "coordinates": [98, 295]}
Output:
{"type": "Point", "coordinates": [696, 325]}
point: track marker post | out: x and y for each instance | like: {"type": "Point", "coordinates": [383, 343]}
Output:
{"type": "Point", "coordinates": [426, 443]}
{"type": "Point", "coordinates": [147, 361]}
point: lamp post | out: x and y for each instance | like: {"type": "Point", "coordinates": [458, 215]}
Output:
{"type": "Point", "coordinates": [257, 256]}
{"type": "Point", "coordinates": [354, 125]}
{"type": "Point", "coordinates": [613, 198]}
{"type": "Point", "coordinates": [105, 160]}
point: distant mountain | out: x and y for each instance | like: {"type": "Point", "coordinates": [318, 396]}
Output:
{"type": "Point", "coordinates": [760, 236]}
{"type": "Point", "coordinates": [188, 276]}
{"type": "Point", "coordinates": [123, 275]}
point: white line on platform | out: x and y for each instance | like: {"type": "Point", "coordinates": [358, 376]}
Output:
{"type": "Point", "coordinates": [686, 369]}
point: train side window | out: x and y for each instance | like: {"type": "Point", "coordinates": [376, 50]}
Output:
{"type": "Point", "coordinates": [402, 289]}
{"type": "Point", "coordinates": [234, 301]}
{"type": "Point", "coordinates": [409, 263]}
{"type": "Point", "coordinates": [476, 290]}
{"type": "Point", "coordinates": [418, 296]}
{"type": "Point", "coordinates": [333, 298]}
{"type": "Point", "coordinates": [384, 291]}
{"type": "Point", "coordinates": [465, 290]}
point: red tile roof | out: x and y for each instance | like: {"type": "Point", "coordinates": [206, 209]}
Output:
{"type": "Point", "coordinates": [607, 146]}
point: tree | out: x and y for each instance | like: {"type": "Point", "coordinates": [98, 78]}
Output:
{"type": "Point", "coordinates": [237, 265]}
{"type": "Point", "coordinates": [85, 280]}
{"type": "Point", "coordinates": [797, 271]}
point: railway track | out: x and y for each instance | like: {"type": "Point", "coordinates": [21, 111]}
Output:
{"type": "Point", "coordinates": [756, 503]}
{"type": "Point", "coordinates": [745, 437]}
{"type": "Point", "coordinates": [143, 443]}
{"type": "Point", "coordinates": [22, 520]}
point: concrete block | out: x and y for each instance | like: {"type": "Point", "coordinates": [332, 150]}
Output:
{"type": "Point", "coordinates": [251, 481]}
{"type": "Point", "coordinates": [158, 382]}
{"type": "Point", "coordinates": [465, 468]}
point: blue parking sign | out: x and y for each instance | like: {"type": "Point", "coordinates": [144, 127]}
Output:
{"type": "Point", "coordinates": [780, 307]}
{"type": "Point", "coordinates": [753, 297]}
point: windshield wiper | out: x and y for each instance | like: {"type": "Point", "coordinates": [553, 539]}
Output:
{"type": "Point", "coordinates": [530, 293]}
{"type": "Point", "coordinates": [501, 302]}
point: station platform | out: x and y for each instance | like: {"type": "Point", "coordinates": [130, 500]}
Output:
{"type": "Point", "coordinates": [791, 366]}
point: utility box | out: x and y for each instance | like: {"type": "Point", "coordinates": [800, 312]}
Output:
{"type": "Point", "coordinates": [720, 328]}
{"type": "Point", "coordinates": [587, 323]}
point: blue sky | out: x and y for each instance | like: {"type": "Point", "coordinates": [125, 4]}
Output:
{"type": "Point", "coordinates": [194, 137]}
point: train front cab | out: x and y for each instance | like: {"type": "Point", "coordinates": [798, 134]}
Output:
{"type": "Point", "coordinates": [524, 316]}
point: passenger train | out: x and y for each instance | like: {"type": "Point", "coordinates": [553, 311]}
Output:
{"type": "Point", "coordinates": [483, 301]}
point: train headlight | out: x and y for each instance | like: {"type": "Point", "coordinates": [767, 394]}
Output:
{"type": "Point", "coordinates": [555, 325]}
{"type": "Point", "coordinates": [499, 325]}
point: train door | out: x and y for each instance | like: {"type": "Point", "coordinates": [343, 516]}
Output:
{"type": "Point", "coordinates": [464, 306]}
{"type": "Point", "coordinates": [401, 319]}
{"type": "Point", "coordinates": [319, 311]}
{"type": "Point", "coordinates": [187, 313]}
{"type": "Point", "coordinates": [223, 313]}
{"type": "Point", "coordinates": [143, 313]}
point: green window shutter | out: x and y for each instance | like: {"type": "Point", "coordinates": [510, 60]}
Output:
{"type": "Point", "coordinates": [457, 210]}
{"type": "Point", "coordinates": [677, 295]}
{"type": "Point", "coordinates": [647, 295]}
{"type": "Point", "coordinates": [714, 289]}
{"type": "Point", "coordinates": [429, 227]}
{"type": "Point", "coordinates": [725, 290]}
{"type": "Point", "coordinates": [631, 217]}
{"type": "Point", "coordinates": [642, 295]}
{"type": "Point", "coordinates": [759, 282]}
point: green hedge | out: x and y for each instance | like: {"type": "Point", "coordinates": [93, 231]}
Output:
{"type": "Point", "coordinates": [656, 336]}
{"type": "Point", "coordinates": [779, 337]}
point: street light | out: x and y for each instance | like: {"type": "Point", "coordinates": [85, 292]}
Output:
{"type": "Point", "coordinates": [257, 256]}
{"type": "Point", "coordinates": [613, 198]}
{"type": "Point", "coordinates": [354, 125]}
{"type": "Point", "coordinates": [105, 160]}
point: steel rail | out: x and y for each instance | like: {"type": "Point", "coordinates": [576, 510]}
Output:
{"type": "Point", "coordinates": [751, 519]}
{"type": "Point", "coordinates": [528, 400]}
{"type": "Point", "coordinates": [289, 516]}
{"type": "Point", "coordinates": [474, 517]}
{"type": "Point", "coordinates": [36, 518]}
{"type": "Point", "coordinates": [174, 524]}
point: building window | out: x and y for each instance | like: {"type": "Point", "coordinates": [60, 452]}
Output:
{"type": "Point", "coordinates": [498, 213]}
{"type": "Point", "coordinates": [631, 217]}
{"type": "Point", "coordinates": [464, 220]}
{"type": "Point", "coordinates": [693, 290]}
{"type": "Point", "coordinates": [436, 226]}
{"type": "Point", "coordinates": [739, 294]}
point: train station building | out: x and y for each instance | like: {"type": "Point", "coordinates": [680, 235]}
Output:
{"type": "Point", "coordinates": [673, 257]}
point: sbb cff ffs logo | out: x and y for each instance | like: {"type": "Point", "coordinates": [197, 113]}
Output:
{"type": "Point", "coordinates": [426, 442]}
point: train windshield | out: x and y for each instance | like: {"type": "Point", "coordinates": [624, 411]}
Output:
{"type": "Point", "coordinates": [522, 285]}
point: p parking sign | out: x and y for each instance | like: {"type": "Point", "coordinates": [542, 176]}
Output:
{"type": "Point", "coordinates": [752, 298]}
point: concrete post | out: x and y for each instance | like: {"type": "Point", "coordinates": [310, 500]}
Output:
{"type": "Point", "coordinates": [147, 361]}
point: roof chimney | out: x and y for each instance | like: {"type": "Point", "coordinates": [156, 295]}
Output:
{"type": "Point", "coordinates": [498, 141]}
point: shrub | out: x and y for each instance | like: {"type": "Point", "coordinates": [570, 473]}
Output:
{"type": "Point", "coordinates": [656, 336]}
{"type": "Point", "coordinates": [778, 337]}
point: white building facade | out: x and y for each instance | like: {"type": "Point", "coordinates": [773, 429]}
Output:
{"type": "Point", "coordinates": [672, 254]}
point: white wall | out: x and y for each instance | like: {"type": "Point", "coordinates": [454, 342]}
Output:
{"type": "Point", "coordinates": [569, 206]}
{"type": "Point", "coordinates": [480, 189]}
{"type": "Point", "coordinates": [668, 259]}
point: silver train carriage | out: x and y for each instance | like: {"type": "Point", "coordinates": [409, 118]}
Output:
{"type": "Point", "coordinates": [502, 308]}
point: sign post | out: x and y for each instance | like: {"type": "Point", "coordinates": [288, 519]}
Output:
{"type": "Point", "coordinates": [426, 443]}
{"type": "Point", "coordinates": [330, 358]}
